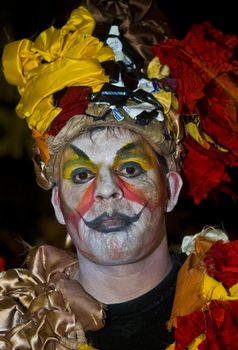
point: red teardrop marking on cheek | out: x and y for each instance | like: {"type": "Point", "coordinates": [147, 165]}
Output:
{"type": "Point", "coordinates": [87, 199]}
{"type": "Point", "coordinates": [134, 194]}
{"type": "Point", "coordinates": [131, 192]}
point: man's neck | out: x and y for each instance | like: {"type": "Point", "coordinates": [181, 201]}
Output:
{"type": "Point", "coordinates": [116, 284]}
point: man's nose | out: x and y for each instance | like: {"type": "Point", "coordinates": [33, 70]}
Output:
{"type": "Point", "coordinates": [106, 186]}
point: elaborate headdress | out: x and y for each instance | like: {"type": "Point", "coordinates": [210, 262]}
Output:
{"type": "Point", "coordinates": [70, 81]}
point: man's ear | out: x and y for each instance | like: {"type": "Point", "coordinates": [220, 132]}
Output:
{"type": "Point", "coordinates": [175, 184]}
{"type": "Point", "coordinates": [55, 200]}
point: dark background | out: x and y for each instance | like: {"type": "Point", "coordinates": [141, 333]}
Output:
{"type": "Point", "coordinates": [25, 210]}
{"type": "Point", "coordinates": [26, 18]}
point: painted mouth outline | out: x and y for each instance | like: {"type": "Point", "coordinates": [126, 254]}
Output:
{"type": "Point", "coordinates": [124, 221]}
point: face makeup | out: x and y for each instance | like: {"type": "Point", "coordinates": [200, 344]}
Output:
{"type": "Point", "coordinates": [112, 196]}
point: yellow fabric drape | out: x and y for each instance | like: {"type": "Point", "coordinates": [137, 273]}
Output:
{"type": "Point", "coordinates": [58, 58]}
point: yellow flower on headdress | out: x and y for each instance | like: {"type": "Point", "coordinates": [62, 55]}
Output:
{"type": "Point", "coordinates": [58, 58]}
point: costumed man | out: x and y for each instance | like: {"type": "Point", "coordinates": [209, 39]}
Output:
{"type": "Point", "coordinates": [108, 141]}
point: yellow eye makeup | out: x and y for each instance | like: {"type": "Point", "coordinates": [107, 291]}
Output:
{"type": "Point", "coordinates": [130, 169]}
{"type": "Point", "coordinates": [137, 153]}
{"type": "Point", "coordinates": [77, 163]}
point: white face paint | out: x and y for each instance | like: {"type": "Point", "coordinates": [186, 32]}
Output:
{"type": "Point", "coordinates": [112, 196]}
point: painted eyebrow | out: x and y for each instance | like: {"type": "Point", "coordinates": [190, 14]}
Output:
{"type": "Point", "coordinates": [79, 152]}
{"type": "Point", "coordinates": [125, 150]}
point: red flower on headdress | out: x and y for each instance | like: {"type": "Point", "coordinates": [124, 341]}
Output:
{"type": "Point", "coordinates": [205, 170]}
{"type": "Point", "coordinates": [73, 101]}
{"type": "Point", "coordinates": [206, 70]}
{"type": "Point", "coordinates": [222, 262]}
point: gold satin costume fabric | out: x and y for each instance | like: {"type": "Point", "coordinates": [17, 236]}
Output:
{"type": "Point", "coordinates": [42, 307]}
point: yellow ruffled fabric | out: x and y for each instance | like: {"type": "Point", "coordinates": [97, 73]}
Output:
{"type": "Point", "coordinates": [58, 58]}
{"type": "Point", "coordinates": [156, 70]}
{"type": "Point", "coordinates": [212, 289]}
{"type": "Point", "coordinates": [167, 100]}
{"type": "Point", "coordinates": [193, 129]}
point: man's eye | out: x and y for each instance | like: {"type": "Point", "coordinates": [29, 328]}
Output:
{"type": "Point", "coordinates": [82, 175]}
{"type": "Point", "coordinates": [130, 169]}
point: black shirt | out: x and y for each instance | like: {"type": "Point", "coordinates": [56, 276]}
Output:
{"type": "Point", "coordinates": [140, 324]}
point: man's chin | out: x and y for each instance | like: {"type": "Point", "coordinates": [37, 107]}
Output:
{"type": "Point", "coordinates": [118, 259]}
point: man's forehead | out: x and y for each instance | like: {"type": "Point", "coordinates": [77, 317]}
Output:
{"type": "Point", "coordinates": [108, 140]}
{"type": "Point", "coordinates": [103, 147]}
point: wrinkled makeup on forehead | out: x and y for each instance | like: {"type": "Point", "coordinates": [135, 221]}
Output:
{"type": "Point", "coordinates": [138, 151]}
